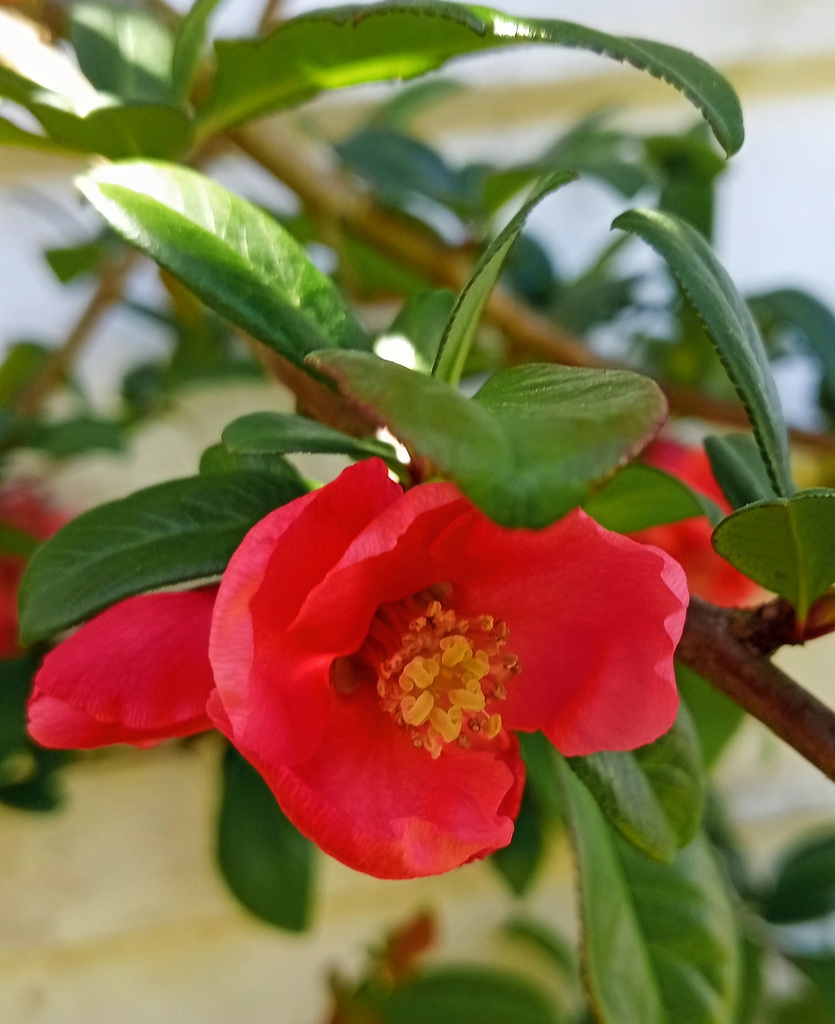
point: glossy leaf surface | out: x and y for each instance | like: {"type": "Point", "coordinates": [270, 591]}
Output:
{"type": "Point", "coordinates": [267, 863]}
{"type": "Point", "coordinates": [729, 324]}
{"type": "Point", "coordinates": [173, 532]}
{"type": "Point", "coordinates": [188, 47]}
{"type": "Point", "coordinates": [788, 547]}
{"type": "Point", "coordinates": [234, 256]}
{"type": "Point", "coordinates": [344, 46]}
{"type": "Point", "coordinates": [531, 443]}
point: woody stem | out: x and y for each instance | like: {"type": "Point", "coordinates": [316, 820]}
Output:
{"type": "Point", "coordinates": [713, 647]}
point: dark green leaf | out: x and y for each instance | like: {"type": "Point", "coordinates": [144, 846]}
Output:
{"type": "Point", "coordinates": [787, 547]}
{"type": "Point", "coordinates": [805, 885]}
{"type": "Point", "coordinates": [347, 45]}
{"type": "Point", "coordinates": [519, 861]}
{"type": "Point", "coordinates": [116, 132]}
{"type": "Point", "coordinates": [218, 459]}
{"type": "Point", "coordinates": [39, 788]}
{"type": "Point", "coordinates": [267, 863]}
{"type": "Point", "coordinates": [821, 971]}
{"type": "Point", "coordinates": [14, 541]}
{"type": "Point", "coordinates": [688, 167]}
{"type": "Point", "coordinates": [532, 442]}
{"type": "Point", "coordinates": [654, 795]}
{"type": "Point", "coordinates": [188, 47]}
{"type": "Point", "coordinates": [542, 937]}
{"type": "Point", "coordinates": [175, 532]}
{"type": "Point", "coordinates": [738, 469]}
{"type": "Point", "coordinates": [458, 337]}
{"type": "Point", "coordinates": [468, 995]}
{"type": "Point", "coordinates": [642, 496]}
{"type": "Point", "coordinates": [398, 167]}
{"type": "Point", "coordinates": [279, 433]}
{"type": "Point", "coordinates": [730, 326]}
{"type": "Point", "coordinates": [11, 135]}
{"type": "Point", "coordinates": [715, 716]}
{"type": "Point", "coordinates": [234, 256]}
{"type": "Point", "coordinates": [15, 686]}
{"type": "Point", "coordinates": [123, 51]}
{"type": "Point", "coordinates": [789, 311]}
{"type": "Point", "coordinates": [75, 261]}
{"type": "Point", "coordinates": [67, 438]}
{"type": "Point", "coordinates": [659, 940]}
{"type": "Point", "coordinates": [421, 324]}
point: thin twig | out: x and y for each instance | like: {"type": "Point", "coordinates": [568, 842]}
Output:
{"type": "Point", "coordinates": [710, 647]}
{"type": "Point", "coordinates": [57, 365]}
{"type": "Point", "coordinates": [330, 198]}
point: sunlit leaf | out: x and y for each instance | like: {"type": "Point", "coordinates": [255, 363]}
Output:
{"type": "Point", "coordinates": [344, 46]}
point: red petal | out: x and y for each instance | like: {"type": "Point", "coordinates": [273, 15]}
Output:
{"type": "Point", "coordinates": [689, 542]}
{"type": "Point", "coordinates": [138, 673]}
{"type": "Point", "coordinates": [269, 577]}
{"type": "Point", "coordinates": [594, 618]}
{"type": "Point", "coordinates": [371, 800]}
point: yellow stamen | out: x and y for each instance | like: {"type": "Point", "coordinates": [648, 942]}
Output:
{"type": "Point", "coordinates": [448, 723]}
{"type": "Point", "coordinates": [456, 649]}
{"type": "Point", "coordinates": [492, 727]}
{"type": "Point", "coordinates": [420, 672]}
{"type": "Point", "coordinates": [417, 709]}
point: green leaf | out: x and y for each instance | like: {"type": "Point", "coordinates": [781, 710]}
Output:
{"type": "Point", "coordinates": [787, 547]}
{"type": "Point", "coordinates": [730, 326]}
{"type": "Point", "coordinates": [17, 542]}
{"type": "Point", "coordinates": [529, 446]}
{"type": "Point", "coordinates": [411, 100]}
{"type": "Point", "coordinates": [68, 438]}
{"type": "Point", "coordinates": [804, 318]}
{"type": "Point", "coordinates": [117, 132]}
{"type": "Point", "coordinates": [217, 459]}
{"type": "Point", "coordinates": [11, 135]}
{"type": "Point", "coordinates": [267, 863]}
{"type": "Point", "coordinates": [74, 261]}
{"type": "Point", "coordinates": [175, 532]}
{"type": "Point", "coordinates": [653, 796]}
{"type": "Point", "coordinates": [279, 433]}
{"type": "Point", "coordinates": [542, 937]}
{"type": "Point", "coordinates": [716, 717]}
{"type": "Point", "coordinates": [345, 46]}
{"type": "Point", "coordinates": [420, 324]}
{"type": "Point", "coordinates": [659, 940]}
{"type": "Point", "coordinates": [467, 995]}
{"type": "Point", "coordinates": [235, 257]}
{"type": "Point", "coordinates": [738, 470]}
{"type": "Point", "coordinates": [804, 889]}
{"type": "Point", "coordinates": [463, 323]}
{"type": "Point", "coordinates": [22, 361]}
{"type": "Point", "coordinates": [122, 51]}
{"type": "Point", "coordinates": [519, 861]}
{"type": "Point", "coordinates": [641, 496]}
{"type": "Point", "coordinates": [188, 47]}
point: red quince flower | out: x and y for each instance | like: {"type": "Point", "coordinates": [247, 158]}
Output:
{"type": "Point", "coordinates": [138, 673]}
{"type": "Point", "coordinates": [22, 507]}
{"type": "Point", "coordinates": [373, 652]}
{"type": "Point", "coordinates": [709, 576]}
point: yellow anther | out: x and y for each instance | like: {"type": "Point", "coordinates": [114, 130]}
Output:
{"type": "Point", "coordinates": [456, 649]}
{"type": "Point", "coordinates": [420, 672]}
{"type": "Point", "coordinates": [492, 727]}
{"type": "Point", "coordinates": [448, 723]}
{"type": "Point", "coordinates": [416, 710]}
{"type": "Point", "coordinates": [467, 699]}
{"type": "Point", "coordinates": [486, 623]}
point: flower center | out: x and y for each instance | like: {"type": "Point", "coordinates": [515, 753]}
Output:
{"type": "Point", "coordinates": [435, 673]}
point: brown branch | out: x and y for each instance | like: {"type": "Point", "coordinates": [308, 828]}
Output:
{"type": "Point", "coordinates": [57, 365]}
{"type": "Point", "coordinates": [711, 647]}
{"type": "Point", "coordinates": [330, 199]}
